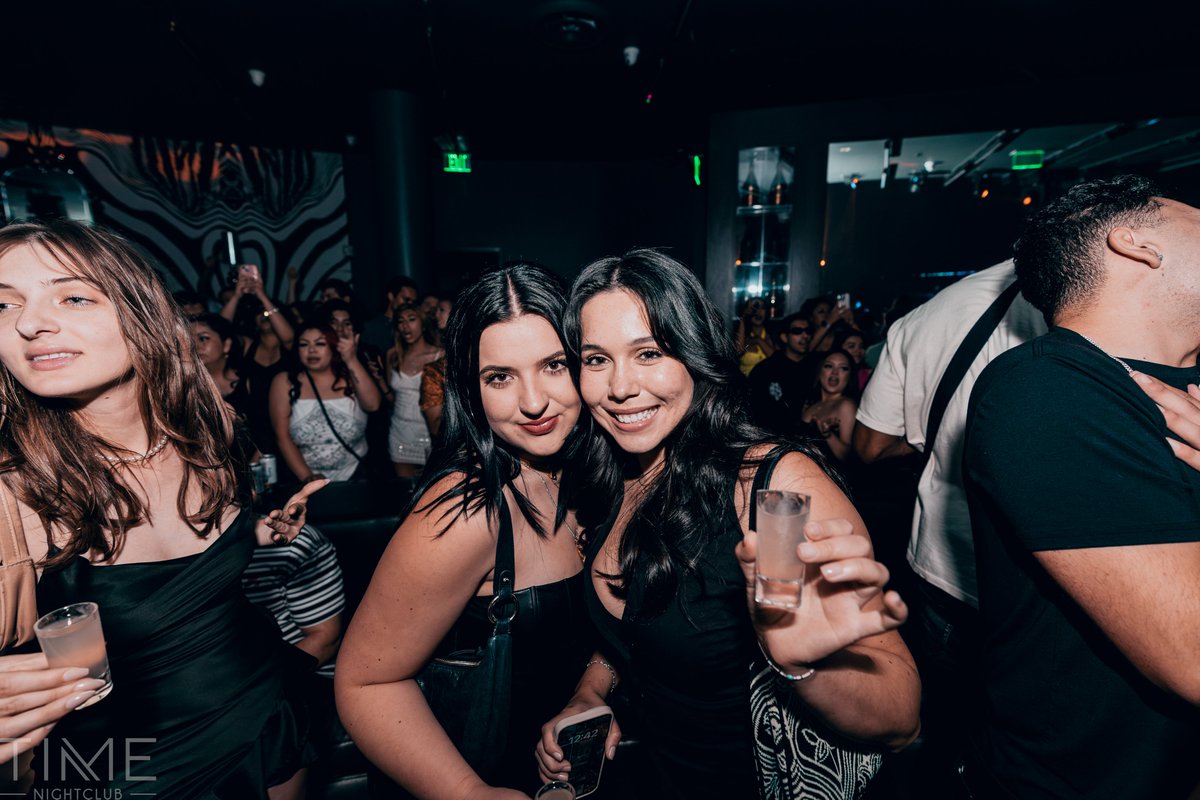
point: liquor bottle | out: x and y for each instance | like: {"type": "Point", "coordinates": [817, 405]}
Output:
{"type": "Point", "coordinates": [751, 194]}
{"type": "Point", "coordinates": [778, 195]}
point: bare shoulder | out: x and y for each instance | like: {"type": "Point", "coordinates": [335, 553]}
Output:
{"type": "Point", "coordinates": [795, 472]}
{"type": "Point", "coordinates": [445, 538]}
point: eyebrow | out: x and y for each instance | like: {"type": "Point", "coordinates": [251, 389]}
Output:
{"type": "Point", "coordinates": [55, 282]}
{"type": "Point", "coordinates": [635, 343]}
{"type": "Point", "coordinates": [556, 355]}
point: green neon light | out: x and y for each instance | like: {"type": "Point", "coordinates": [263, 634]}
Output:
{"type": "Point", "coordinates": [696, 169]}
{"type": "Point", "coordinates": [456, 162]}
{"type": "Point", "coordinates": [1027, 159]}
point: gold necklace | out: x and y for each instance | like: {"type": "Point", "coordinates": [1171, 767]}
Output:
{"type": "Point", "coordinates": [554, 507]}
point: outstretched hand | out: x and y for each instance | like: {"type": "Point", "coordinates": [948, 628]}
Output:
{"type": "Point", "coordinates": [843, 599]}
{"type": "Point", "coordinates": [282, 525]}
{"type": "Point", "coordinates": [1181, 410]}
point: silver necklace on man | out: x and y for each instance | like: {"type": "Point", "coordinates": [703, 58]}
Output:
{"type": "Point", "coordinates": [1089, 340]}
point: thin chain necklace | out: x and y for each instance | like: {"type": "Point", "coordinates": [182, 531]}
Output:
{"type": "Point", "coordinates": [140, 457]}
{"type": "Point", "coordinates": [554, 506]}
{"type": "Point", "coordinates": [1089, 340]}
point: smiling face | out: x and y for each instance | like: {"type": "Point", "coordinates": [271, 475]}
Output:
{"type": "Point", "coordinates": [211, 349]}
{"type": "Point", "coordinates": [59, 335]}
{"type": "Point", "coordinates": [835, 373]}
{"type": "Point", "coordinates": [528, 397]}
{"type": "Point", "coordinates": [314, 351]}
{"type": "Point", "coordinates": [633, 388]}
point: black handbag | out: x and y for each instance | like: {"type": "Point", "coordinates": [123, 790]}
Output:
{"type": "Point", "coordinates": [468, 690]}
{"type": "Point", "coordinates": [795, 755]}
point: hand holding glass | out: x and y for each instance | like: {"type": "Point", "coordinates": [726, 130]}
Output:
{"type": "Point", "coordinates": [778, 570]}
{"type": "Point", "coordinates": [71, 636]}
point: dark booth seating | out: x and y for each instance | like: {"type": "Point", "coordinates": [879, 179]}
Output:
{"type": "Point", "coordinates": [359, 518]}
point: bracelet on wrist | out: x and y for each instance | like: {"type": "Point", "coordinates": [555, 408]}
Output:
{"type": "Point", "coordinates": [609, 667]}
{"type": "Point", "coordinates": [803, 676]}
{"type": "Point", "coordinates": [270, 311]}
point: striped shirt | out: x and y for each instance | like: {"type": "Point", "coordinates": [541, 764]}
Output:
{"type": "Point", "coordinates": [299, 584]}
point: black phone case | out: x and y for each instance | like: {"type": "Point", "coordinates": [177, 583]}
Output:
{"type": "Point", "coordinates": [583, 745]}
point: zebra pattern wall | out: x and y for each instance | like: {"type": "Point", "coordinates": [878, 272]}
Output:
{"type": "Point", "coordinates": [177, 199]}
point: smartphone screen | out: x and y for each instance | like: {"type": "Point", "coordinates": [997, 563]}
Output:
{"type": "Point", "coordinates": [582, 744]}
{"type": "Point", "coordinates": [843, 300]}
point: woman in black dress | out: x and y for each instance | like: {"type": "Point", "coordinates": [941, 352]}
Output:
{"type": "Point", "coordinates": [670, 572]}
{"type": "Point", "coordinates": [117, 448]}
{"type": "Point", "coordinates": [510, 424]}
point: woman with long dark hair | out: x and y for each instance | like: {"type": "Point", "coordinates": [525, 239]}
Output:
{"type": "Point", "coordinates": [319, 407]}
{"type": "Point", "coordinates": [116, 445]}
{"type": "Point", "coordinates": [509, 427]}
{"type": "Point", "coordinates": [829, 409]}
{"type": "Point", "coordinates": [670, 571]}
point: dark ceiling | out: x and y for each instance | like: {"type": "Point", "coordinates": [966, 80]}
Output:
{"type": "Point", "coordinates": [545, 79]}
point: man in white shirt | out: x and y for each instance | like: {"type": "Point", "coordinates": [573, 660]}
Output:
{"type": "Point", "coordinates": [891, 421]}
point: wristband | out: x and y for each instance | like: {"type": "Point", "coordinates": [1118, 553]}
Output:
{"type": "Point", "coordinates": [270, 311]}
{"type": "Point", "coordinates": [609, 667]}
{"type": "Point", "coordinates": [803, 676]}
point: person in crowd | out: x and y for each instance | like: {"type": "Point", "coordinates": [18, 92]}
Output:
{"type": "Point", "coordinates": [345, 319]}
{"type": "Point", "coordinates": [669, 574]}
{"type": "Point", "coordinates": [250, 300]}
{"type": "Point", "coordinates": [378, 331]}
{"type": "Point", "coordinates": [830, 406]}
{"type": "Point", "coordinates": [409, 437]}
{"type": "Point", "coordinates": [777, 387]}
{"type": "Point", "coordinates": [319, 407]}
{"type": "Point", "coordinates": [190, 303]}
{"type": "Point", "coordinates": [510, 427]}
{"type": "Point", "coordinates": [334, 289]}
{"type": "Point", "coordinates": [117, 448]}
{"type": "Point", "coordinates": [828, 320]}
{"type": "Point", "coordinates": [892, 420]}
{"type": "Point", "coordinates": [442, 315]}
{"type": "Point", "coordinates": [429, 304]}
{"type": "Point", "coordinates": [751, 339]}
{"type": "Point", "coordinates": [300, 585]}
{"type": "Point", "coordinates": [854, 343]}
{"type": "Point", "coordinates": [215, 340]}
{"type": "Point", "coordinates": [433, 394]}
{"type": "Point", "coordinates": [1087, 532]}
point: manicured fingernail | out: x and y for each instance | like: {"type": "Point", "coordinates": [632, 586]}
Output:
{"type": "Point", "coordinates": [831, 570]}
{"type": "Point", "coordinates": [562, 776]}
{"type": "Point", "coordinates": [75, 700]}
{"type": "Point", "coordinates": [808, 550]}
{"type": "Point", "coordinates": [90, 685]}
{"type": "Point", "coordinates": [1140, 378]}
{"type": "Point", "coordinates": [557, 756]}
{"type": "Point", "coordinates": [612, 753]}
{"type": "Point", "coordinates": [75, 673]}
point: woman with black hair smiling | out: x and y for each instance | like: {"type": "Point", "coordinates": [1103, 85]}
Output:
{"type": "Point", "coordinates": [670, 573]}
{"type": "Point", "coordinates": [509, 425]}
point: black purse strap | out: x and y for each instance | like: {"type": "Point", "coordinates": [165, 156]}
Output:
{"type": "Point", "coordinates": [762, 479]}
{"type": "Point", "coordinates": [328, 421]}
{"type": "Point", "coordinates": [956, 370]}
{"type": "Point", "coordinates": [502, 609]}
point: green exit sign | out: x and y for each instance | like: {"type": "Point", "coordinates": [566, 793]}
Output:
{"type": "Point", "coordinates": [1027, 159]}
{"type": "Point", "coordinates": [456, 162]}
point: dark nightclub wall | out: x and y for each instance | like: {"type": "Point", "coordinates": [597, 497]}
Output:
{"type": "Point", "coordinates": [566, 214]}
{"type": "Point", "coordinates": [176, 199]}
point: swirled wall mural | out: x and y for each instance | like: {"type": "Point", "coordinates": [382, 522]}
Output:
{"type": "Point", "coordinates": [177, 200]}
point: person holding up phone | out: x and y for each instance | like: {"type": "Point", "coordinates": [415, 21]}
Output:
{"type": "Point", "coordinates": [669, 576]}
{"type": "Point", "coordinates": [249, 284]}
{"type": "Point", "coordinates": [509, 429]}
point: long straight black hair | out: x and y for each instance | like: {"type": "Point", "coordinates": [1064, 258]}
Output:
{"type": "Point", "coordinates": [468, 444]}
{"type": "Point", "coordinates": [688, 504]}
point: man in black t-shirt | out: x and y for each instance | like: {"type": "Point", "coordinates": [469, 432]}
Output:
{"type": "Point", "coordinates": [777, 385]}
{"type": "Point", "coordinates": [1087, 527]}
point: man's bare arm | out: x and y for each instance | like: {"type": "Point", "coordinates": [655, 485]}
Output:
{"type": "Point", "coordinates": [872, 445]}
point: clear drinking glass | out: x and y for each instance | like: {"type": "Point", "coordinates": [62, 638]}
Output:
{"type": "Point", "coordinates": [778, 571]}
{"type": "Point", "coordinates": [555, 790]}
{"type": "Point", "coordinates": [72, 636]}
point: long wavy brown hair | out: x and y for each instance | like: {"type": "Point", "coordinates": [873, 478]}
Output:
{"type": "Point", "coordinates": [53, 462]}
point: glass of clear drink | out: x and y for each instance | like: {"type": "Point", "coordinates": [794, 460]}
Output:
{"type": "Point", "coordinates": [778, 571]}
{"type": "Point", "coordinates": [71, 636]}
{"type": "Point", "coordinates": [556, 790]}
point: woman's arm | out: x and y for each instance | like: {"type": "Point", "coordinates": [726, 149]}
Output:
{"type": "Point", "coordinates": [865, 683]}
{"type": "Point", "coordinates": [278, 322]}
{"type": "Point", "coordinates": [293, 278]}
{"type": "Point", "coordinates": [366, 391]}
{"type": "Point", "coordinates": [599, 679]}
{"type": "Point", "coordinates": [838, 428]}
{"type": "Point", "coordinates": [420, 587]}
{"type": "Point", "coordinates": [280, 409]}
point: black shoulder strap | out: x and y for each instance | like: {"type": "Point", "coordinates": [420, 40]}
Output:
{"type": "Point", "coordinates": [762, 480]}
{"type": "Point", "coordinates": [971, 346]}
{"type": "Point", "coordinates": [503, 607]}
{"type": "Point", "coordinates": [328, 421]}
